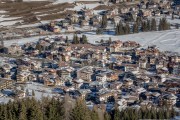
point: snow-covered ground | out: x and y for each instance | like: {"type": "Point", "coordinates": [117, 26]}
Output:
{"type": "Point", "coordinates": [7, 21]}
{"type": "Point", "coordinates": [5, 99]}
{"type": "Point", "coordinates": [87, 6]}
{"type": "Point", "coordinates": [166, 40]}
{"type": "Point", "coordinates": [40, 90]}
{"type": "Point", "coordinates": [57, 1]}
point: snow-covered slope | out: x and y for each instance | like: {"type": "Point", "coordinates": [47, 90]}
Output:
{"type": "Point", "coordinates": [58, 1]}
{"type": "Point", "coordinates": [166, 40]}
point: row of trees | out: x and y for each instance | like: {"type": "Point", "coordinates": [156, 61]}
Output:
{"type": "Point", "coordinates": [55, 109]}
{"type": "Point", "coordinates": [139, 25]}
{"type": "Point", "coordinates": [122, 29]}
{"type": "Point", "coordinates": [144, 26]}
{"type": "Point", "coordinates": [79, 40]}
{"type": "Point", "coordinates": [163, 24]}
{"type": "Point", "coordinates": [143, 113]}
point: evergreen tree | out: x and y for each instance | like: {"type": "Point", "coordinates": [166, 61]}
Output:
{"type": "Point", "coordinates": [109, 41]}
{"type": "Point", "coordinates": [104, 21]}
{"type": "Point", "coordinates": [128, 30]}
{"type": "Point", "coordinates": [22, 114]}
{"type": "Point", "coordinates": [177, 26]}
{"type": "Point", "coordinates": [99, 31]}
{"type": "Point", "coordinates": [75, 39]}
{"type": "Point", "coordinates": [148, 25]}
{"type": "Point", "coordinates": [124, 30]}
{"type": "Point", "coordinates": [33, 93]}
{"type": "Point", "coordinates": [117, 29]}
{"type": "Point", "coordinates": [160, 27]}
{"type": "Point", "coordinates": [143, 26]}
{"type": "Point", "coordinates": [153, 113]}
{"type": "Point", "coordinates": [94, 115]}
{"type": "Point", "coordinates": [135, 28]}
{"type": "Point", "coordinates": [172, 16]}
{"type": "Point", "coordinates": [38, 47]}
{"type": "Point", "coordinates": [120, 29]}
{"type": "Point", "coordinates": [2, 42]}
{"type": "Point", "coordinates": [84, 39]}
{"type": "Point", "coordinates": [116, 114]}
{"type": "Point", "coordinates": [27, 92]}
{"type": "Point", "coordinates": [102, 41]}
{"type": "Point", "coordinates": [163, 24]}
{"type": "Point", "coordinates": [80, 112]}
{"type": "Point", "coordinates": [138, 20]}
{"type": "Point", "coordinates": [107, 116]}
{"type": "Point", "coordinates": [153, 25]}
{"type": "Point", "coordinates": [67, 40]}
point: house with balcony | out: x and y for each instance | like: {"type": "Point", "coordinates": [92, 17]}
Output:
{"type": "Point", "coordinates": [85, 73]}
{"type": "Point", "coordinates": [5, 83]}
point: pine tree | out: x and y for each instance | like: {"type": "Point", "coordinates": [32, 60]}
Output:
{"type": "Point", "coordinates": [153, 113]}
{"type": "Point", "coordinates": [38, 47]}
{"type": "Point", "coordinates": [84, 39]}
{"type": "Point", "coordinates": [138, 20]}
{"type": "Point", "coordinates": [116, 114]}
{"type": "Point", "coordinates": [124, 30]}
{"type": "Point", "coordinates": [109, 41]}
{"type": "Point", "coordinates": [104, 21]}
{"type": "Point", "coordinates": [163, 24]}
{"type": "Point", "coordinates": [135, 28]}
{"type": "Point", "coordinates": [94, 115]}
{"type": "Point", "coordinates": [128, 29]}
{"type": "Point", "coordinates": [75, 39]}
{"type": "Point", "coordinates": [160, 27]}
{"type": "Point", "coordinates": [107, 116]}
{"type": "Point", "coordinates": [2, 42]}
{"type": "Point", "coordinates": [117, 29]}
{"type": "Point", "coordinates": [80, 112]}
{"type": "Point", "coordinates": [148, 25]}
{"type": "Point", "coordinates": [66, 40]}
{"type": "Point", "coordinates": [143, 26]}
{"type": "Point", "coordinates": [102, 41]}
{"type": "Point", "coordinates": [172, 16]}
{"type": "Point", "coordinates": [33, 93]}
{"type": "Point", "coordinates": [120, 29]}
{"type": "Point", "coordinates": [177, 26]}
{"type": "Point", "coordinates": [10, 111]}
{"type": "Point", "coordinates": [22, 114]}
{"type": "Point", "coordinates": [27, 92]}
{"type": "Point", "coordinates": [99, 31]}
{"type": "Point", "coordinates": [153, 25]}
{"type": "Point", "coordinates": [173, 113]}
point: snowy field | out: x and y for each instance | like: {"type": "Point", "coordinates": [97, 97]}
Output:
{"type": "Point", "coordinates": [6, 21]}
{"type": "Point", "coordinates": [165, 40]}
{"type": "Point", "coordinates": [40, 90]}
{"type": "Point", "coordinates": [58, 1]}
{"type": "Point", "coordinates": [5, 99]}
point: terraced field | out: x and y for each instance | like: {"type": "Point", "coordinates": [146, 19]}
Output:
{"type": "Point", "coordinates": [31, 12]}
